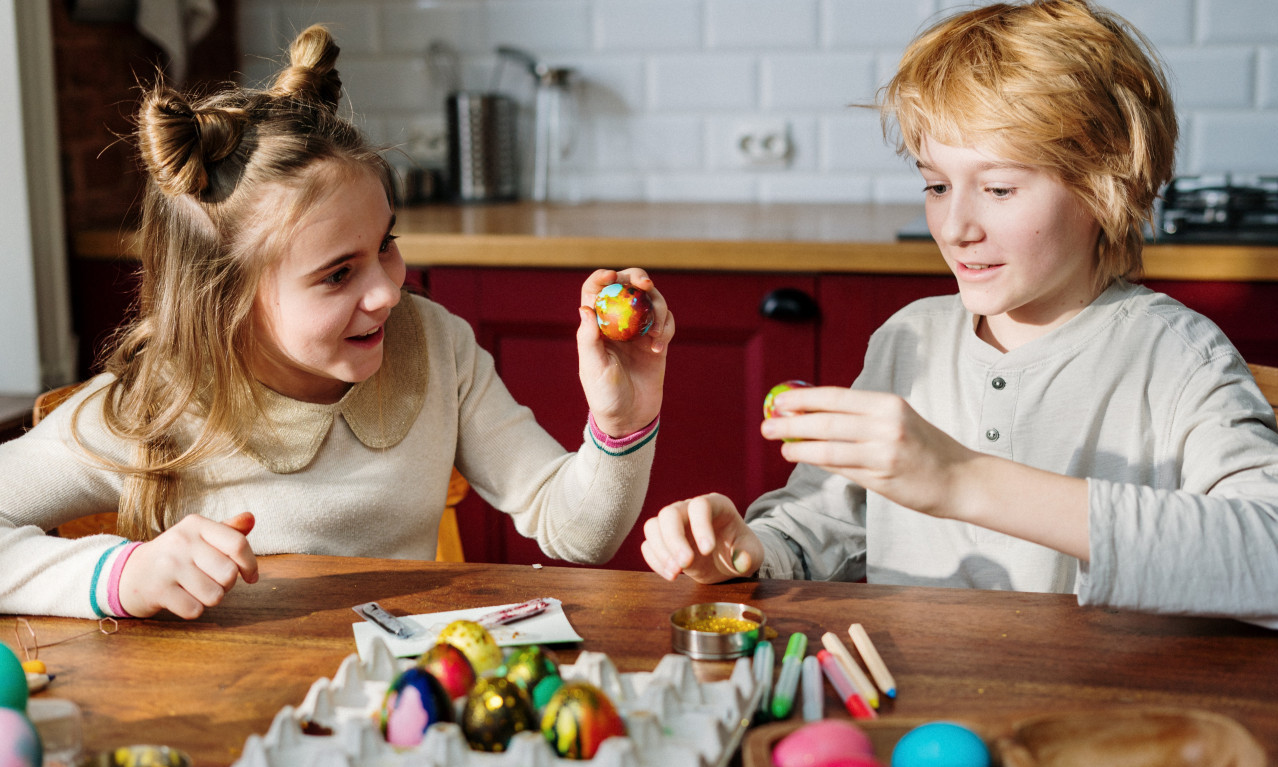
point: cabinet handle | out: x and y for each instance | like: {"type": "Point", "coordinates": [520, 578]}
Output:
{"type": "Point", "coordinates": [789, 305]}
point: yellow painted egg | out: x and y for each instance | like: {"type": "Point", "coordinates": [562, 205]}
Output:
{"type": "Point", "coordinates": [476, 644]}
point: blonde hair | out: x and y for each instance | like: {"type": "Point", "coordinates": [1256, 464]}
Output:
{"type": "Point", "coordinates": [206, 238]}
{"type": "Point", "coordinates": [1061, 85]}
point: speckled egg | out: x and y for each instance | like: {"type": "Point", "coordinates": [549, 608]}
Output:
{"type": "Point", "coordinates": [623, 311]}
{"type": "Point", "coordinates": [476, 644]}
{"type": "Point", "coordinates": [450, 666]}
{"type": "Point", "coordinates": [13, 681]}
{"type": "Point", "coordinates": [495, 710]}
{"type": "Point", "coordinates": [940, 744]}
{"type": "Point", "coordinates": [769, 409]}
{"type": "Point", "coordinates": [19, 742]}
{"type": "Point", "coordinates": [578, 718]}
{"type": "Point", "coordinates": [826, 743]}
{"type": "Point", "coordinates": [530, 667]}
{"type": "Point", "coordinates": [414, 701]}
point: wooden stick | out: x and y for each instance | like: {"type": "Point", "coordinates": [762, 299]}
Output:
{"type": "Point", "coordinates": [882, 677]}
{"type": "Point", "coordinates": [851, 667]}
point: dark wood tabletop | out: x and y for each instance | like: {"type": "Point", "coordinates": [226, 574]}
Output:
{"type": "Point", "coordinates": [206, 685]}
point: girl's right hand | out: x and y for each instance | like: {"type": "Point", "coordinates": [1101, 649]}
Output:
{"type": "Point", "coordinates": [188, 567]}
{"type": "Point", "coordinates": [704, 537]}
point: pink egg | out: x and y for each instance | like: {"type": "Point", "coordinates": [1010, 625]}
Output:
{"type": "Point", "coordinates": [19, 742]}
{"type": "Point", "coordinates": [827, 743]}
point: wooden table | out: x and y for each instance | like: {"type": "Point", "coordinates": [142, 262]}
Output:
{"type": "Point", "coordinates": [206, 685]}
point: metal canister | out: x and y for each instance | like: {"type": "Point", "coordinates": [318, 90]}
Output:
{"type": "Point", "coordinates": [483, 162]}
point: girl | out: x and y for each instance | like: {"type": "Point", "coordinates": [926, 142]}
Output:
{"type": "Point", "coordinates": [1053, 427]}
{"type": "Point", "coordinates": [278, 391]}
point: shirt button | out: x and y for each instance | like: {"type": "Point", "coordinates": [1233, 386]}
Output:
{"type": "Point", "coordinates": [992, 435]}
{"type": "Point", "coordinates": [998, 383]}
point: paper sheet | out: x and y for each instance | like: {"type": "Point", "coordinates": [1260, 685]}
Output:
{"type": "Point", "coordinates": [550, 627]}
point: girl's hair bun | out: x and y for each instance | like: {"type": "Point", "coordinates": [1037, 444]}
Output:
{"type": "Point", "coordinates": [177, 142]}
{"type": "Point", "coordinates": [312, 71]}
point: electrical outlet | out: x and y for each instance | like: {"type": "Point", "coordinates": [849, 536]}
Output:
{"type": "Point", "coordinates": [762, 143]}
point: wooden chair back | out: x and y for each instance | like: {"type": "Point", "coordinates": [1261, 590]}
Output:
{"type": "Point", "coordinates": [448, 548]}
{"type": "Point", "coordinates": [1267, 379]}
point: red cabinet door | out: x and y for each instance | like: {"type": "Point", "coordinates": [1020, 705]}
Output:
{"type": "Point", "coordinates": [724, 358]}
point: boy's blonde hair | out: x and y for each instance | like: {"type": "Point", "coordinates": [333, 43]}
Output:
{"type": "Point", "coordinates": [212, 222]}
{"type": "Point", "coordinates": [1060, 85]}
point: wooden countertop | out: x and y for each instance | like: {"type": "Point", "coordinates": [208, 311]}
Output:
{"type": "Point", "coordinates": [848, 238]}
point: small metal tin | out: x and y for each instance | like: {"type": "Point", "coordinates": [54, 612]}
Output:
{"type": "Point", "coordinates": [137, 756]}
{"type": "Point", "coordinates": [713, 645]}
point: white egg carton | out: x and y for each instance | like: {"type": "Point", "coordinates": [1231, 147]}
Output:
{"type": "Point", "coordinates": [672, 720]}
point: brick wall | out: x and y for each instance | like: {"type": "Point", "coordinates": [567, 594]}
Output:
{"type": "Point", "coordinates": [98, 67]}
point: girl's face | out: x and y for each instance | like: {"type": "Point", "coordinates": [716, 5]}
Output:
{"type": "Point", "coordinates": [1021, 245]}
{"type": "Point", "coordinates": [321, 307]}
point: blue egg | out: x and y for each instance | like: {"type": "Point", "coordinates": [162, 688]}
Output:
{"type": "Point", "coordinates": [414, 701]}
{"type": "Point", "coordinates": [940, 744]}
{"type": "Point", "coordinates": [19, 742]}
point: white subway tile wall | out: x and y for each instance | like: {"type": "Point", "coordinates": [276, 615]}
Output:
{"type": "Point", "coordinates": [666, 90]}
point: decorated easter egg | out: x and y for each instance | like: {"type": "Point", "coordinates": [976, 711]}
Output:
{"type": "Point", "coordinates": [476, 644]}
{"type": "Point", "coordinates": [826, 743]}
{"type": "Point", "coordinates": [529, 667]}
{"type": "Point", "coordinates": [578, 718]}
{"type": "Point", "coordinates": [496, 708]}
{"type": "Point", "coordinates": [19, 742]}
{"type": "Point", "coordinates": [414, 701]}
{"type": "Point", "coordinates": [623, 312]}
{"type": "Point", "coordinates": [940, 744]}
{"type": "Point", "coordinates": [13, 681]}
{"type": "Point", "coordinates": [450, 666]}
{"type": "Point", "coordinates": [769, 409]}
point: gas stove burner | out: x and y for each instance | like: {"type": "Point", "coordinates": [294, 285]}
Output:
{"type": "Point", "coordinates": [1220, 208]}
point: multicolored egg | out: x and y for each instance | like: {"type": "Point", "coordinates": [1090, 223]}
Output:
{"type": "Point", "coordinates": [534, 669]}
{"type": "Point", "coordinates": [578, 719]}
{"type": "Point", "coordinates": [13, 681]}
{"type": "Point", "coordinates": [476, 644]}
{"type": "Point", "coordinates": [451, 667]}
{"type": "Point", "coordinates": [414, 701]}
{"type": "Point", "coordinates": [769, 408]}
{"type": "Point", "coordinates": [623, 311]}
{"type": "Point", "coordinates": [19, 742]}
{"type": "Point", "coordinates": [495, 710]}
{"type": "Point", "coordinates": [940, 744]}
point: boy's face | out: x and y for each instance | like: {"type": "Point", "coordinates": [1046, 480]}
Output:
{"type": "Point", "coordinates": [1020, 244]}
{"type": "Point", "coordinates": [321, 307]}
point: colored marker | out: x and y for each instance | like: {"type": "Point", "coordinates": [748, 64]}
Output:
{"type": "Point", "coordinates": [762, 666]}
{"type": "Point", "coordinates": [847, 693]}
{"type": "Point", "coordinates": [813, 691]}
{"type": "Point", "coordinates": [514, 613]}
{"type": "Point", "coordinates": [882, 677]}
{"type": "Point", "coordinates": [788, 682]}
{"type": "Point", "coordinates": [863, 685]}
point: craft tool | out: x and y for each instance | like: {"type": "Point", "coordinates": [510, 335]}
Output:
{"type": "Point", "coordinates": [514, 613]}
{"type": "Point", "coordinates": [762, 667]}
{"type": "Point", "coordinates": [788, 682]}
{"type": "Point", "coordinates": [373, 613]}
{"type": "Point", "coordinates": [863, 685]}
{"type": "Point", "coordinates": [843, 686]}
{"type": "Point", "coordinates": [813, 691]}
{"type": "Point", "coordinates": [878, 669]}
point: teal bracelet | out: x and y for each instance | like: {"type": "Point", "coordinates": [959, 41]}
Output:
{"type": "Point", "coordinates": [97, 573]}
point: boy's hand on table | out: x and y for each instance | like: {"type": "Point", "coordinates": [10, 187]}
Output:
{"type": "Point", "coordinates": [704, 537]}
{"type": "Point", "coordinates": [623, 380]}
{"type": "Point", "coordinates": [188, 567]}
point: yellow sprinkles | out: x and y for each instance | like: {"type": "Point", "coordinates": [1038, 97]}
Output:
{"type": "Point", "coordinates": [721, 625]}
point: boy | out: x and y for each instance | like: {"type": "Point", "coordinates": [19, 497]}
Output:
{"type": "Point", "coordinates": [1052, 427]}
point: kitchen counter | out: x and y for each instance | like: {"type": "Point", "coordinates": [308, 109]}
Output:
{"type": "Point", "coordinates": [848, 238]}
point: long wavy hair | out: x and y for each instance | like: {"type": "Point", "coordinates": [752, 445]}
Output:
{"type": "Point", "coordinates": [210, 226]}
{"type": "Point", "coordinates": [1061, 85]}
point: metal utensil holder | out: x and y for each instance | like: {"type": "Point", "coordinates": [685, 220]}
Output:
{"type": "Point", "coordinates": [483, 163]}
